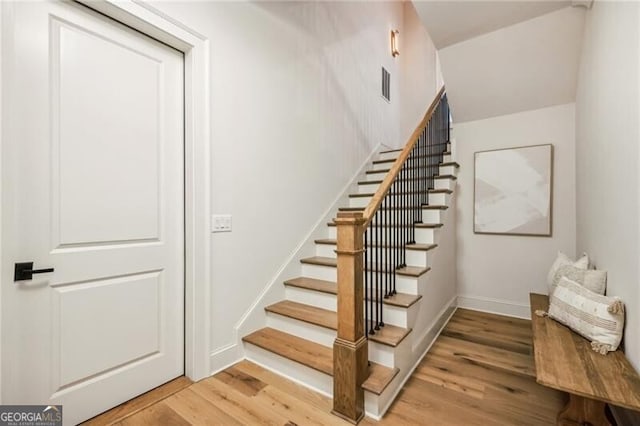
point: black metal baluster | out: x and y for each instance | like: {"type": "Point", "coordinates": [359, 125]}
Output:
{"type": "Point", "coordinates": [387, 280]}
{"type": "Point", "coordinates": [366, 283]}
{"type": "Point", "coordinates": [376, 267]}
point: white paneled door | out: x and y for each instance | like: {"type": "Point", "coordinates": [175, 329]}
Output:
{"type": "Point", "coordinates": [92, 186]}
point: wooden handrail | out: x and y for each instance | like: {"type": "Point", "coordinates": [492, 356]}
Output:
{"type": "Point", "coordinates": [375, 202]}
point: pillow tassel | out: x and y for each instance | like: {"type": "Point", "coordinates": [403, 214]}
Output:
{"type": "Point", "coordinates": [616, 308]}
{"type": "Point", "coordinates": [541, 313]}
{"type": "Point", "coordinates": [601, 348]}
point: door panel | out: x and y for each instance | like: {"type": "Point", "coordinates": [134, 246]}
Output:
{"type": "Point", "coordinates": [104, 177]}
{"type": "Point", "coordinates": [121, 330]}
{"type": "Point", "coordinates": [92, 185]}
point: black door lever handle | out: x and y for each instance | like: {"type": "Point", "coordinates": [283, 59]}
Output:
{"type": "Point", "coordinates": [24, 271]}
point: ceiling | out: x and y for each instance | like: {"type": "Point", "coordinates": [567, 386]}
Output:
{"type": "Point", "coordinates": [453, 21]}
{"type": "Point", "coordinates": [530, 65]}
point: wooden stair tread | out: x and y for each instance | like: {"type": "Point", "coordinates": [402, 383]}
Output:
{"type": "Point", "coordinates": [428, 191]}
{"type": "Point", "coordinates": [303, 351]}
{"type": "Point", "coordinates": [401, 300]}
{"type": "Point", "coordinates": [443, 164]}
{"type": "Point", "coordinates": [315, 356]}
{"type": "Point", "coordinates": [314, 284]}
{"type": "Point", "coordinates": [414, 246]}
{"type": "Point", "coordinates": [389, 335]}
{"type": "Point", "coordinates": [391, 150]}
{"type": "Point", "coordinates": [421, 247]}
{"type": "Point", "coordinates": [429, 225]}
{"type": "Point", "coordinates": [307, 313]}
{"type": "Point", "coordinates": [418, 225]}
{"type": "Point", "coordinates": [379, 181]}
{"type": "Point", "coordinates": [423, 206]}
{"type": "Point", "coordinates": [411, 271]}
{"type": "Point", "coordinates": [379, 378]}
{"type": "Point", "coordinates": [320, 260]}
{"type": "Point", "coordinates": [391, 160]}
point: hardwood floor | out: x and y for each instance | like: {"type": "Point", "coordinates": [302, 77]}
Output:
{"type": "Point", "coordinates": [480, 371]}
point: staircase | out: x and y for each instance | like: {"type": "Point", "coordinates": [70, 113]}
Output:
{"type": "Point", "coordinates": [300, 331]}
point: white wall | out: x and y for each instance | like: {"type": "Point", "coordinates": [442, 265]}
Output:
{"type": "Point", "coordinates": [421, 77]}
{"type": "Point", "coordinates": [497, 273]}
{"type": "Point", "coordinates": [296, 108]}
{"type": "Point", "coordinates": [526, 66]}
{"type": "Point", "coordinates": [607, 153]}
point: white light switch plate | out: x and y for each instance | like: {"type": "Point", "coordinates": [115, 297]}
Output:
{"type": "Point", "coordinates": [221, 223]}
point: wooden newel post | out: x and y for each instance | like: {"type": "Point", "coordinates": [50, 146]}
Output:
{"type": "Point", "coordinates": [350, 350]}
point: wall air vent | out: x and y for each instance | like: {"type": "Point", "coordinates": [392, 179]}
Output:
{"type": "Point", "coordinates": [386, 85]}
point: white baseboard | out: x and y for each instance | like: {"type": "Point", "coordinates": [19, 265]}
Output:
{"type": "Point", "coordinates": [224, 357]}
{"type": "Point", "coordinates": [495, 306]}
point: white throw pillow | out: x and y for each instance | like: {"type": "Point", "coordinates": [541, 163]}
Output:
{"type": "Point", "coordinates": [593, 279]}
{"type": "Point", "coordinates": [598, 318]}
{"type": "Point", "coordinates": [563, 259]}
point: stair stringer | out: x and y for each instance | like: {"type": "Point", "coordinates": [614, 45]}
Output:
{"type": "Point", "coordinates": [274, 291]}
{"type": "Point", "coordinates": [438, 303]}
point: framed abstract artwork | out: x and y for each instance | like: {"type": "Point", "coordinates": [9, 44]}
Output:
{"type": "Point", "coordinates": [513, 191]}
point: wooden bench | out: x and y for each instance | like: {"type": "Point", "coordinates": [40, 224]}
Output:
{"type": "Point", "coordinates": [564, 361]}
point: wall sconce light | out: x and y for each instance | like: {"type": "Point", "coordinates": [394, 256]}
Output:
{"type": "Point", "coordinates": [394, 43]}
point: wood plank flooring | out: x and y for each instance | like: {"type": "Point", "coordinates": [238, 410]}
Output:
{"type": "Point", "coordinates": [479, 372]}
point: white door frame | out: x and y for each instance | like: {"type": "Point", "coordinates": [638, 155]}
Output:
{"type": "Point", "coordinates": [150, 21]}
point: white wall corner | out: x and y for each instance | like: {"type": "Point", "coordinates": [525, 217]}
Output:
{"type": "Point", "coordinates": [224, 357]}
{"type": "Point", "coordinates": [495, 306]}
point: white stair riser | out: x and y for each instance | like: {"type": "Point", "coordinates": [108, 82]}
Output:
{"type": "Point", "coordinates": [325, 250]}
{"type": "Point", "coordinates": [448, 170]}
{"type": "Point", "coordinates": [419, 257]}
{"type": "Point", "coordinates": [408, 285]}
{"type": "Point", "coordinates": [427, 236]}
{"type": "Point", "coordinates": [423, 235]}
{"type": "Point", "coordinates": [439, 199]}
{"type": "Point", "coordinates": [319, 272]}
{"type": "Point", "coordinates": [431, 216]}
{"type": "Point", "coordinates": [388, 155]}
{"type": "Point", "coordinates": [381, 166]}
{"type": "Point", "coordinates": [447, 158]}
{"type": "Point", "coordinates": [332, 232]}
{"type": "Point", "coordinates": [359, 201]}
{"type": "Point", "coordinates": [367, 189]}
{"type": "Point", "coordinates": [399, 316]}
{"type": "Point", "coordinates": [434, 199]}
{"type": "Point", "coordinates": [368, 177]}
{"type": "Point", "coordinates": [311, 297]}
{"type": "Point", "coordinates": [444, 183]}
{"type": "Point", "coordinates": [320, 335]}
{"type": "Point", "coordinates": [302, 374]}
